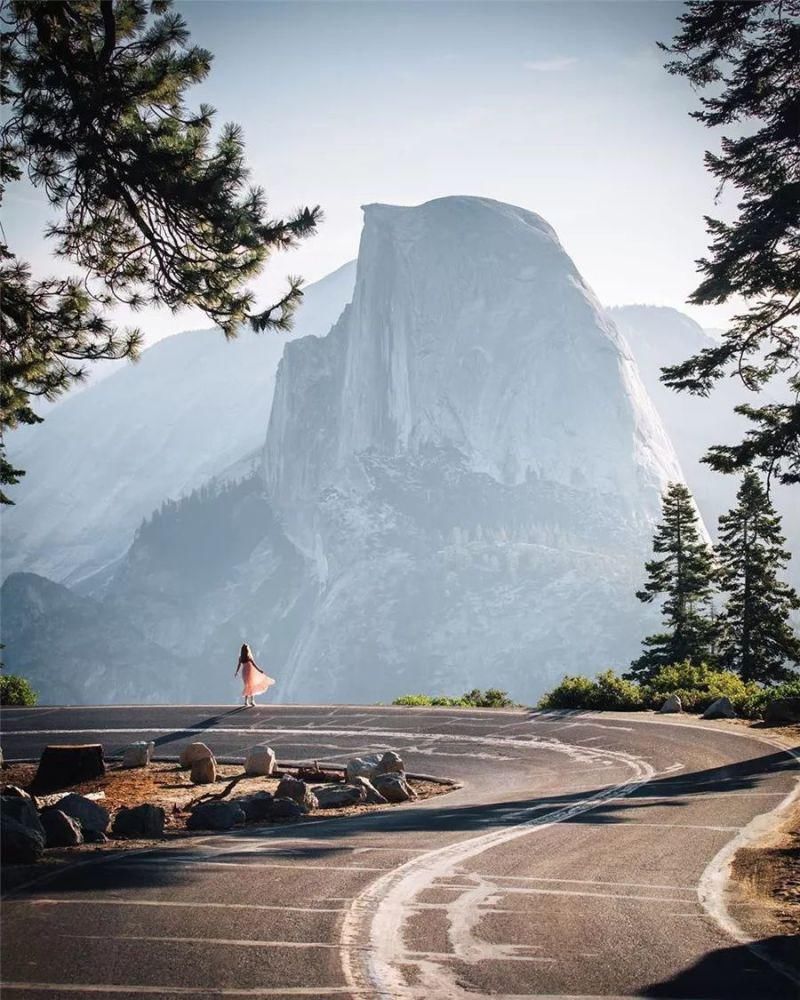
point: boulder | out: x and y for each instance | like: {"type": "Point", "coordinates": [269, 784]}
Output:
{"type": "Point", "coordinates": [260, 761]}
{"type": "Point", "coordinates": [138, 754]}
{"type": "Point", "coordinates": [393, 787]}
{"type": "Point", "coordinates": [296, 790]}
{"type": "Point", "coordinates": [94, 837]}
{"type": "Point", "coordinates": [204, 771]}
{"type": "Point", "coordinates": [90, 815]}
{"type": "Point", "coordinates": [19, 844]}
{"type": "Point", "coordinates": [139, 821]}
{"type": "Point", "coordinates": [363, 767]}
{"type": "Point", "coordinates": [371, 794]}
{"type": "Point", "coordinates": [286, 809]}
{"type": "Point", "coordinates": [256, 806]}
{"type": "Point", "coordinates": [671, 705]}
{"type": "Point", "coordinates": [18, 793]}
{"type": "Point", "coordinates": [782, 710]}
{"type": "Point", "coordinates": [193, 752]}
{"type": "Point", "coordinates": [61, 830]}
{"type": "Point", "coordinates": [720, 709]}
{"type": "Point", "coordinates": [390, 763]}
{"type": "Point", "coordinates": [63, 766]}
{"type": "Point", "coordinates": [374, 763]}
{"type": "Point", "coordinates": [22, 810]}
{"type": "Point", "coordinates": [215, 816]}
{"type": "Point", "coordinates": [339, 796]}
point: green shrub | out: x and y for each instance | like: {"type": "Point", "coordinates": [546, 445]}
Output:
{"type": "Point", "coordinates": [491, 698]}
{"type": "Point", "coordinates": [15, 690]}
{"type": "Point", "coordinates": [608, 692]}
{"type": "Point", "coordinates": [572, 692]}
{"type": "Point", "coordinates": [756, 704]}
{"type": "Point", "coordinates": [413, 700]}
{"type": "Point", "coordinates": [615, 694]}
{"type": "Point", "coordinates": [699, 686]}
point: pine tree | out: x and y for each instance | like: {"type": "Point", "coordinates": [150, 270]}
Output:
{"type": "Point", "coordinates": [685, 577]}
{"type": "Point", "coordinates": [151, 208]}
{"type": "Point", "coordinates": [758, 641]}
{"type": "Point", "coordinates": [742, 57]}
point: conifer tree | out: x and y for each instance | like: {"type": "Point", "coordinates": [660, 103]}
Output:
{"type": "Point", "coordinates": [741, 56]}
{"type": "Point", "coordinates": [152, 208]}
{"type": "Point", "coordinates": [758, 641]}
{"type": "Point", "coordinates": [684, 576]}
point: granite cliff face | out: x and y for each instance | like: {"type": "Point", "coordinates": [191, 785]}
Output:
{"type": "Point", "coordinates": [469, 464]}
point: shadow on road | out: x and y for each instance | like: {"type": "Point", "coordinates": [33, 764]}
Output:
{"type": "Point", "coordinates": [181, 734]}
{"type": "Point", "coordinates": [712, 977]}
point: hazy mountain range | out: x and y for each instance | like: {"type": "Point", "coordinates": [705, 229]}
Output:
{"type": "Point", "coordinates": [455, 487]}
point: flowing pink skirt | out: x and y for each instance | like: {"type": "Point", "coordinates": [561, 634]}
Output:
{"type": "Point", "coordinates": [255, 680]}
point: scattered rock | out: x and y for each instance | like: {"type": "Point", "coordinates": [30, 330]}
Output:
{"type": "Point", "coordinates": [286, 809]}
{"type": "Point", "coordinates": [138, 754]}
{"type": "Point", "coordinates": [720, 709]}
{"type": "Point", "coordinates": [19, 844]}
{"type": "Point", "coordinates": [90, 815]}
{"type": "Point", "coordinates": [390, 763]}
{"type": "Point", "coordinates": [94, 837]}
{"type": "Point", "coordinates": [672, 704]}
{"type": "Point", "coordinates": [260, 761]}
{"type": "Point", "coordinates": [63, 766]}
{"type": "Point", "coordinates": [19, 793]}
{"type": "Point", "coordinates": [215, 816]}
{"type": "Point", "coordinates": [61, 830]}
{"type": "Point", "coordinates": [339, 796]}
{"type": "Point", "coordinates": [204, 771]}
{"type": "Point", "coordinates": [782, 710]}
{"type": "Point", "coordinates": [374, 763]}
{"type": "Point", "coordinates": [22, 810]}
{"type": "Point", "coordinates": [43, 801]}
{"type": "Point", "coordinates": [193, 752]}
{"type": "Point", "coordinates": [371, 794]}
{"type": "Point", "coordinates": [139, 821]}
{"type": "Point", "coordinates": [296, 790]}
{"type": "Point", "coordinates": [256, 806]}
{"type": "Point", "coordinates": [393, 787]}
{"type": "Point", "coordinates": [363, 767]}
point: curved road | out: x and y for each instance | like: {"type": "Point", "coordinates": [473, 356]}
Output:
{"type": "Point", "coordinates": [581, 858]}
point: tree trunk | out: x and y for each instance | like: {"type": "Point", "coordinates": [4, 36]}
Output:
{"type": "Point", "coordinates": [63, 766]}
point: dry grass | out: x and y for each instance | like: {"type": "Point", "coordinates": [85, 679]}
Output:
{"type": "Point", "coordinates": [768, 875]}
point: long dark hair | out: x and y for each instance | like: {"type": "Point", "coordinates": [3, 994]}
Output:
{"type": "Point", "coordinates": [245, 653]}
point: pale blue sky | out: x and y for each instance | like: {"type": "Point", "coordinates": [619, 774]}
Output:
{"type": "Point", "coordinates": [563, 108]}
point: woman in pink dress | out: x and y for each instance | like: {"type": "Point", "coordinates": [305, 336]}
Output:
{"type": "Point", "coordinates": [254, 678]}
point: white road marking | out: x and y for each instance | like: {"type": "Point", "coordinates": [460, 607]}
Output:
{"type": "Point", "coordinates": [190, 991]}
{"type": "Point", "coordinates": [531, 742]}
{"type": "Point", "coordinates": [592, 881]}
{"type": "Point", "coordinates": [575, 892]}
{"type": "Point", "coordinates": [233, 942]}
{"type": "Point", "coordinates": [47, 901]}
{"type": "Point", "coordinates": [171, 862]}
{"type": "Point", "coordinates": [378, 914]}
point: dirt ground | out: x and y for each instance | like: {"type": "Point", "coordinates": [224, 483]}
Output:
{"type": "Point", "coordinates": [768, 875]}
{"type": "Point", "coordinates": [165, 784]}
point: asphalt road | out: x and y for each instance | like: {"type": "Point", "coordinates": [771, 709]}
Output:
{"type": "Point", "coordinates": [580, 858]}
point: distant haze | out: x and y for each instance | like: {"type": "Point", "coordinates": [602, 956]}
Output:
{"type": "Point", "coordinates": [564, 108]}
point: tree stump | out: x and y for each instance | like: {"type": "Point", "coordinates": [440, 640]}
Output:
{"type": "Point", "coordinates": [64, 766]}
